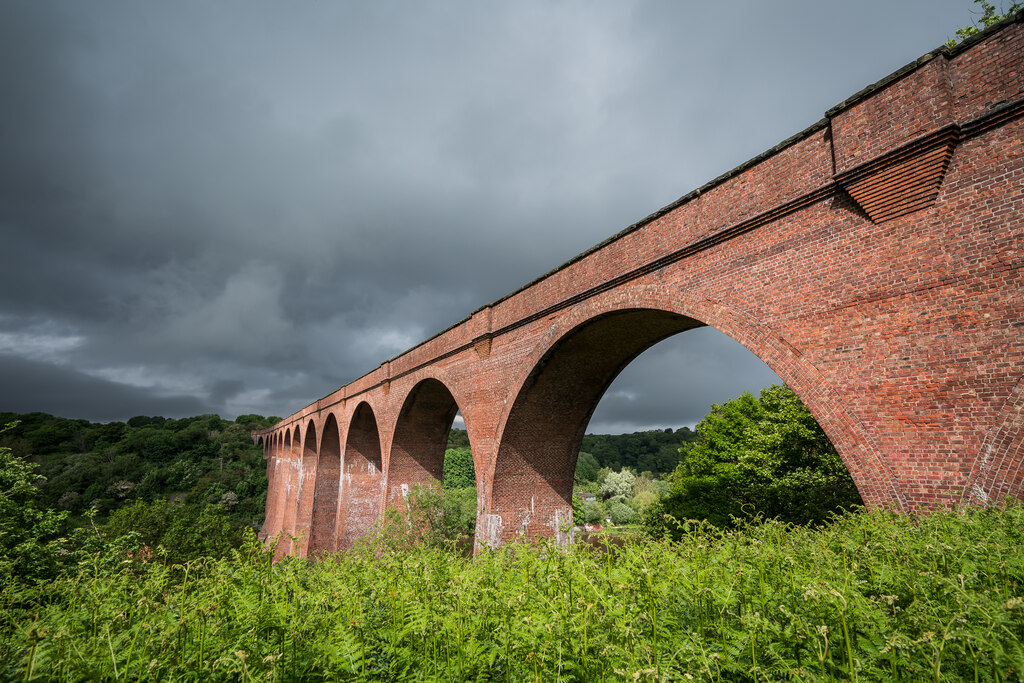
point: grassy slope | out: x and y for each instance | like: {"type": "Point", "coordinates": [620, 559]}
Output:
{"type": "Point", "coordinates": [871, 597]}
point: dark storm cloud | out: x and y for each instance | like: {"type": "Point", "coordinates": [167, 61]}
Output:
{"type": "Point", "coordinates": [62, 391]}
{"type": "Point", "coordinates": [674, 383]}
{"type": "Point", "coordinates": [250, 204]}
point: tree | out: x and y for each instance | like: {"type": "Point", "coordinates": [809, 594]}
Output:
{"type": "Point", "coordinates": [458, 470]}
{"type": "Point", "coordinates": [622, 514]}
{"type": "Point", "coordinates": [593, 512]}
{"type": "Point", "coordinates": [30, 536]}
{"type": "Point", "coordinates": [185, 531]}
{"type": "Point", "coordinates": [618, 485]}
{"type": "Point", "coordinates": [586, 468]}
{"type": "Point", "coordinates": [989, 17]}
{"type": "Point", "coordinates": [721, 435]}
{"type": "Point", "coordinates": [578, 516]}
{"type": "Point", "coordinates": [757, 456]}
{"type": "Point", "coordinates": [98, 467]}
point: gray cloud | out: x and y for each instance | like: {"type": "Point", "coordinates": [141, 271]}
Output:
{"type": "Point", "coordinates": [674, 383]}
{"type": "Point", "coordinates": [239, 207]}
{"type": "Point", "coordinates": [66, 392]}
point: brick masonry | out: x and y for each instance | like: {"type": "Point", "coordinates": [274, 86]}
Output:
{"type": "Point", "coordinates": [873, 261]}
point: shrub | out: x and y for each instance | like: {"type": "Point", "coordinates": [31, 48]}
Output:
{"type": "Point", "coordinates": [622, 514]}
{"type": "Point", "coordinates": [593, 512]}
{"type": "Point", "coordinates": [618, 485]}
{"type": "Point", "coordinates": [30, 537]}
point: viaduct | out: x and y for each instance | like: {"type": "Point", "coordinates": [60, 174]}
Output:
{"type": "Point", "coordinates": [873, 261]}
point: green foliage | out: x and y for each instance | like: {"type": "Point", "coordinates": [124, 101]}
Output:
{"type": "Point", "coordinates": [722, 435]}
{"type": "Point", "coordinates": [593, 512]}
{"type": "Point", "coordinates": [618, 485]}
{"type": "Point", "coordinates": [30, 536]}
{"type": "Point", "coordinates": [201, 460]}
{"type": "Point", "coordinates": [458, 470]}
{"type": "Point", "coordinates": [440, 515]}
{"type": "Point", "coordinates": [654, 451]}
{"type": "Point", "coordinates": [431, 516]}
{"type": "Point", "coordinates": [578, 517]}
{"type": "Point", "coordinates": [458, 438]}
{"type": "Point", "coordinates": [647, 492]}
{"type": "Point", "coordinates": [762, 456]}
{"type": "Point", "coordinates": [622, 514]}
{"type": "Point", "coordinates": [872, 597]}
{"type": "Point", "coordinates": [586, 468]}
{"type": "Point", "coordinates": [185, 532]}
{"type": "Point", "coordinates": [990, 15]}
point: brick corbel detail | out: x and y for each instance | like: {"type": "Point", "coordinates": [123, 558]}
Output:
{"type": "Point", "coordinates": [482, 326]}
{"type": "Point", "coordinates": [482, 345]}
{"type": "Point", "coordinates": [902, 181]}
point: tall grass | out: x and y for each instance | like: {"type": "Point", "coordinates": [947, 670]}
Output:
{"type": "Point", "coordinates": [870, 597]}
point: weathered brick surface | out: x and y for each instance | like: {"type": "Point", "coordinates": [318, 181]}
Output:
{"type": "Point", "coordinates": [328, 484]}
{"type": "Point", "coordinates": [417, 449]}
{"type": "Point", "coordinates": [362, 478]}
{"type": "Point", "coordinates": [917, 104]}
{"type": "Point", "coordinates": [904, 337]}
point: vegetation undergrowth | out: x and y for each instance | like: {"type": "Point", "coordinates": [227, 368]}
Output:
{"type": "Point", "coordinates": [872, 596]}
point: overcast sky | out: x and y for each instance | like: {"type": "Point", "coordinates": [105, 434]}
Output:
{"type": "Point", "coordinates": [237, 207]}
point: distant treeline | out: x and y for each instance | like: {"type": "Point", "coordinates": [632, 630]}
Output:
{"type": "Point", "coordinates": [207, 460]}
{"type": "Point", "coordinates": [196, 461]}
{"type": "Point", "coordinates": [655, 451]}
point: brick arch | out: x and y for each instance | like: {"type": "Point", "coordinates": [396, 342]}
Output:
{"type": "Point", "coordinates": [362, 477]}
{"type": "Point", "coordinates": [579, 356]}
{"type": "Point", "coordinates": [420, 435]}
{"type": "Point", "coordinates": [292, 479]}
{"type": "Point", "coordinates": [284, 517]}
{"type": "Point", "coordinates": [300, 498]}
{"type": "Point", "coordinates": [998, 471]}
{"type": "Point", "coordinates": [326, 489]}
{"type": "Point", "coordinates": [274, 471]}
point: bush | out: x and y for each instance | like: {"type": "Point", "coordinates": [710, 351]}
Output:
{"type": "Point", "coordinates": [622, 514]}
{"type": "Point", "coordinates": [577, 510]}
{"type": "Point", "coordinates": [433, 516]}
{"type": "Point", "coordinates": [643, 500]}
{"type": "Point", "coordinates": [30, 537]}
{"type": "Point", "coordinates": [593, 512]}
{"type": "Point", "coordinates": [186, 532]}
{"type": "Point", "coordinates": [764, 457]}
{"type": "Point", "coordinates": [458, 471]}
{"type": "Point", "coordinates": [618, 485]}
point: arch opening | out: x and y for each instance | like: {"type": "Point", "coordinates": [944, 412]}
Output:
{"type": "Point", "coordinates": [328, 485]}
{"type": "Point", "coordinates": [548, 419]}
{"type": "Point", "coordinates": [429, 452]}
{"type": "Point", "coordinates": [276, 476]}
{"type": "Point", "coordinates": [306, 471]}
{"type": "Point", "coordinates": [545, 428]}
{"type": "Point", "coordinates": [420, 440]}
{"type": "Point", "coordinates": [362, 477]}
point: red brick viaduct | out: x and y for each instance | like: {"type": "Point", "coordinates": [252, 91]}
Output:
{"type": "Point", "coordinates": [873, 261]}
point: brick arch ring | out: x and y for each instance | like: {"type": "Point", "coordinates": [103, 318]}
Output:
{"type": "Point", "coordinates": [409, 386]}
{"type": "Point", "coordinates": [871, 474]}
{"type": "Point", "coordinates": [997, 471]}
